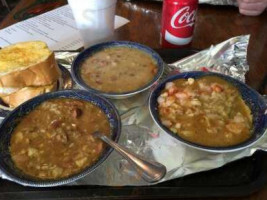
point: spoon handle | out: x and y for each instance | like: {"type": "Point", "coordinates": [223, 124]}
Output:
{"type": "Point", "coordinates": [149, 170]}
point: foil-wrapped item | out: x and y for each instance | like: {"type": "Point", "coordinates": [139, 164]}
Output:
{"type": "Point", "coordinates": [65, 58]}
{"type": "Point", "coordinates": [141, 135]}
{"type": "Point", "coordinates": [229, 58]}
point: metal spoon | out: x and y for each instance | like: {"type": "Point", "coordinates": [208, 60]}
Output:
{"type": "Point", "coordinates": [150, 171]}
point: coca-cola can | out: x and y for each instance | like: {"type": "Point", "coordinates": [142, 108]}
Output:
{"type": "Point", "coordinates": [177, 25]}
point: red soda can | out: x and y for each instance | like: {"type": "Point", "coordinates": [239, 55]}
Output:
{"type": "Point", "coordinates": [177, 25]}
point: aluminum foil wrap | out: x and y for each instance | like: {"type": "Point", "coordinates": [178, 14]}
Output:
{"type": "Point", "coordinates": [142, 136]}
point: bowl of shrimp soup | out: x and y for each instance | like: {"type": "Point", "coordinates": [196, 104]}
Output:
{"type": "Point", "coordinates": [209, 111]}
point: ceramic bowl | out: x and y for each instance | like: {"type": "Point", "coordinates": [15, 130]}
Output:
{"type": "Point", "coordinates": [251, 97]}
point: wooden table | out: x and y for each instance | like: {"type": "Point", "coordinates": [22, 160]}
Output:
{"type": "Point", "coordinates": [214, 24]}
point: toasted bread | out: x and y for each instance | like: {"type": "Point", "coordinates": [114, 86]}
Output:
{"type": "Point", "coordinates": [24, 94]}
{"type": "Point", "coordinates": [27, 64]}
{"type": "Point", "coordinates": [6, 91]}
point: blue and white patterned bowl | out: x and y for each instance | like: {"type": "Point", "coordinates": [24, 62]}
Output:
{"type": "Point", "coordinates": [76, 67]}
{"type": "Point", "coordinates": [251, 97]}
{"type": "Point", "coordinates": [7, 168]}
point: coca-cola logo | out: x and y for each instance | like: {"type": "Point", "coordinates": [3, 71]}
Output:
{"type": "Point", "coordinates": [183, 18]}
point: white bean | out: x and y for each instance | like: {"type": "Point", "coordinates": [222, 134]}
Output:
{"type": "Point", "coordinates": [169, 85]}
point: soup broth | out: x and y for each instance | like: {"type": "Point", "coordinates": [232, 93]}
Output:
{"type": "Point", "coordinates": [207, 111]}
{"type": "Point", "coordinates": [118, 70]}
